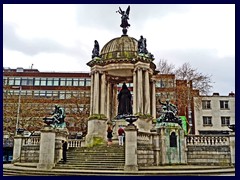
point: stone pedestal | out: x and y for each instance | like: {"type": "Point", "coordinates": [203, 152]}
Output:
{"type": "Point", "coordinates": [17, 148]}
{"type": "Point", "coordinates": [232, 147]}
{"type": "Point", "coordinates": [97, 132]}
{"type": "Point", "coordinates": [131, 148]}
{"type": "Point", "coordinates": [47, 148]}
{"type": "Point", "coordinates": [172, 144]}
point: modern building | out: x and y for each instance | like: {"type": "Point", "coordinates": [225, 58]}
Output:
{"type": "Point", "coordinates": [213, 114]}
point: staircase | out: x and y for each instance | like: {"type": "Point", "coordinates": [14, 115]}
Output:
{"type": "Point", "coordinates": [95, 158]}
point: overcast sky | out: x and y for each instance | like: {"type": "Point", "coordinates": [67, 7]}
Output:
{"type": "Point", "coordinates": [61, 37]}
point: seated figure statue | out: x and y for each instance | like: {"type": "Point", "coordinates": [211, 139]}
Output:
{"type": "Point", "coordinates": [57, 118]}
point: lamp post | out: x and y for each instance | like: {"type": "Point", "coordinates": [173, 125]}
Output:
{"type": "Point", "coordinates": [19, 104]}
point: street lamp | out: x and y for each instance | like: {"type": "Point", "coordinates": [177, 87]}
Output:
{"type": "Point", "coordinates": [19, 104]}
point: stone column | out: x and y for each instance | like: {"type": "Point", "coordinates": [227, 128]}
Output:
{"type": "Point", "coordinates": [17, 148]}
{"type": "Point", "coordinates": [108, 99]}
{"type": "Point", "coordinates": [146, 93]}
{"type": "Point", "coordinates": [96, 93]}
{"type": "Point", "coordinates": [134, 92]}
{"type": "Point", "coordinates": [140, 91]}
{"type": "Point", "coordinates": [131, 148]}
{"type": "Point", "coordinates": [47, 148]}
{"type": "Point", "coordinates": [103, 94]}
{"type": "Point", "coordinates": [92, 94]}
{"type": "Point", "coordinates": [154, 99]}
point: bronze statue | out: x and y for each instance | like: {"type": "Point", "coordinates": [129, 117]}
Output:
{"type": "Point", "coordinates": [95, 51]}
{"type": "Point", "coordinates": [124, 101]}
{"type": "Point", "coordinates": [125, 17]}
{"type": "Point", "coordinates": [57, 118]}
{"type": "Point", "coordinates": [142, 45]}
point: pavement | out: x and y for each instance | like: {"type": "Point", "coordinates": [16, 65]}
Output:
{"type": "Point", "coordinates": [176, 170]}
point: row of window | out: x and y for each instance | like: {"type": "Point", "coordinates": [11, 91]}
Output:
{"type": "Point", "coordinates": [206, 104]}
{"type": "Point", "coordinates": [50, 94]}
{"type": "Point", "coordinates": [28, 81]}
{"type": "Point", "coordinates": [207, 121]}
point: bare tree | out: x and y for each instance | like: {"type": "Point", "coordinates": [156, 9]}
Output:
{"type": "Point", "coordinates": [200, 81]}
{"type": "Point", "coordinates": [164, 67]}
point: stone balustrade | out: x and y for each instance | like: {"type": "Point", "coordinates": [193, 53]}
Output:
{"type": "Point", "coordinates": [75, 142]}
{"type": "Point", "coordinates": [32, 140]}
{"type": "Point", "coordinates": [200, 140]}
{"type": "Point", "coordinates": [145, 137]}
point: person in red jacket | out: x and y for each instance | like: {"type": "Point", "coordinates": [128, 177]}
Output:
{"type": "Point", "coordinates": [120, 136]}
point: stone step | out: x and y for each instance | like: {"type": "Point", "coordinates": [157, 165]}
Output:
{"type": "Point", "coordinates": [185, 171]}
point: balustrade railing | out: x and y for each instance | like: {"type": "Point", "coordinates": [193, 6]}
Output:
{"type": "Point", "coordinates": [144, 137]}
{"type": "Point", "coordinates": [74, 142]}
{"type": "Point", "coordinates": [32, 140]}
{"type": "Point", "coordinates": [210, 140]}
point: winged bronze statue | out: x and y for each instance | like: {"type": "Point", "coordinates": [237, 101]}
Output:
{"type": "Point", "coordinates": [125, 17]}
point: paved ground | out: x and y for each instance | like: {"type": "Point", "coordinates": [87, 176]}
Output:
{"type": "Point", "coordinates": [161, 170]}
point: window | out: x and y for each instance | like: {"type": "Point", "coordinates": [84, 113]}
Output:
{"type": "Point", "coordinates": [173, 140]}
{"type": "Point", "coordinates": [55, 81]}
{"type": "Point", "coordinates": [224, 105]}
{"type": "Point", "coordinates": [24, 81]}
{"type": "Point", "coordinates": [225, 121]}
{"type": "Point", "coordinates": [62, 82]}
{"type": "Point", "coordinates": [88, 82]}
{"type": "Point", "coordinates": [17, 81]}
{"type": "Point", "coordinates": [37, 82]}
{"type": "Point", "coordinates": [206, 104]}
{"type": "Point", "coordinates": [50, 82]}
{"type": "Point", "coordinates": [11, 81]}
{"type": "Point", "coordinates": [69, 82]}
{"type": "Point", "coordinates": [207, 120]}
{"type": "Point", "coordinates": [75, 82]}
{"type": "Point", "coordinates": [81, 82]}
{"type": "Point", "coordinates": [30, 81]}
{"type": "Point", "coordinates": [43, 81]}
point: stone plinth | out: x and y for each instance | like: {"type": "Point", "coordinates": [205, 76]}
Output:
{"type": "Point", "coordinates": [172, 144]}
{"type": "Point", "coordinates": [97, 132]}
{"type": "Point", "coordinates": [17, 147]}
{"type": "Point", "coordinates": [47, 148]}
{"type": "Point", "coordinates": [131, 148]}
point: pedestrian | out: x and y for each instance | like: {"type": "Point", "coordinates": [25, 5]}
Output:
{"type": "Point", "coordinates": [120, 136]}
{"type": "Point", "coordinates": [64, 151]}
{"type": "Point", "coordinates": [109, 135]}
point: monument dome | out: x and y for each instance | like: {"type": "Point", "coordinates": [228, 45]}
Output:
{"type": "Point", "coordinates": [122, 48]}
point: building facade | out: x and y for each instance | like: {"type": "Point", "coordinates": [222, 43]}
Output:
{"type": "Point", "coordinates": [40, 91]}
{"type": "Point", "coordinates": [214, 114]}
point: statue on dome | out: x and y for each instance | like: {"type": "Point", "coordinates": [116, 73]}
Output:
{"type": "Point", "coordinates": [125, 17]}
{"type": "Point", "coordinates": [142, 45]}
{"type": "Point", "coordinates": [95, 51]}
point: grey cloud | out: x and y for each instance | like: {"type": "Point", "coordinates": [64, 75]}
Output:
{"type": "Point", "coordinates": [105, 16]}
{"type": "Point", "coordinates": [34, 46]}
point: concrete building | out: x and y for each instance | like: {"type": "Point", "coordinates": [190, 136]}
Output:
{"type": "Point", "coordinates": [213, 114]}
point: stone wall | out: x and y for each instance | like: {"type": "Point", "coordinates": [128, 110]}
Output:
{"type": "Point", "coordinates": [208, 150]}
{"type": "Point", "coordinates": [30, 153]}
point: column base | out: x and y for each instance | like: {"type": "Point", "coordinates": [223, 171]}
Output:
{"type": "Point", "coordinates": [45, 166]}
{"type": "Point", "coordinates": [130, 168]}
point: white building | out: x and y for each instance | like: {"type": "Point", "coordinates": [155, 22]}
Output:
{"type": "Point", "coordinates": [213, 114]}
